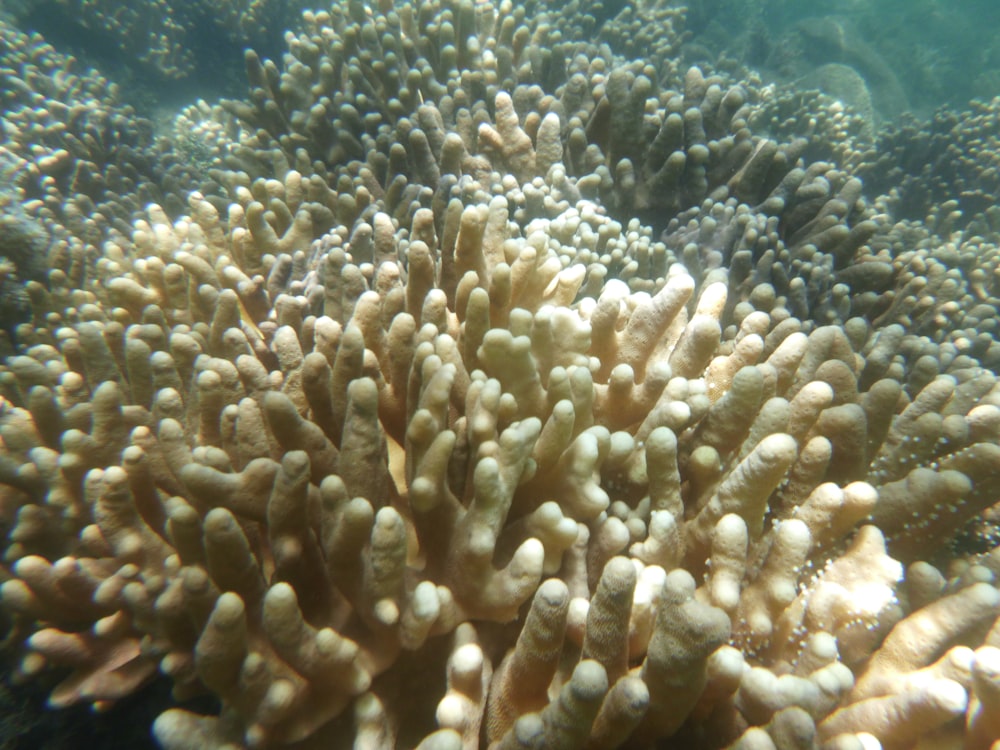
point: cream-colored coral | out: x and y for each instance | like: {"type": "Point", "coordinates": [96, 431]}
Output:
{"type": "Point", "coordinates": [440, 479]}
{"type": "Point", "coordinates": [301, 511]}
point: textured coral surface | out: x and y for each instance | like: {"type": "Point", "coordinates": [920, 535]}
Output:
{"type": "Point", "coordinates": [476, 384]}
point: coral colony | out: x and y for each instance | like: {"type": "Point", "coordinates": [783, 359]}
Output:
{"type": "Point", "coordinates": [475, 384]}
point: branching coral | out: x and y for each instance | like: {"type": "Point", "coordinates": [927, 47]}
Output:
{"type": "Point", "coordinates": [273, 496]}
{"type": "Point", "coordinates": [165, 37]}
{"type": "Point", "coordinates": [418, 445]}
{"type": "Point", "coordinates": [952, 157]}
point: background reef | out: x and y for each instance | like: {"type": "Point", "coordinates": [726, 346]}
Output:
{"type": "Point", "coordinates": [454, 374]}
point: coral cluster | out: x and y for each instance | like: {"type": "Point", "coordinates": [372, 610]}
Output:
{"type": "Point", "coordinates": [501, 391]}
{"type": "Point", "coordinates": [166, 36]}
{"type": "Point", "coordinates": [953, 157]}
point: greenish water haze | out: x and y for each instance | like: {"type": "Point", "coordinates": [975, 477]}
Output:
{"type": "Point", "coordinates": [916, 55]}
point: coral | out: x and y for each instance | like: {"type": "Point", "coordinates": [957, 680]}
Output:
{"type": "Point", "coordinates": [944, 288]}
{"type": "Point", "coordinates": [506, 393]}
{"type": "Point", "coordinates": [23, 244]}
{"type": "Point", "coordinates": [950, 159]}
{"type": "Point", "coordinates": [374, 99]}
{"type": "Point", "coordinates": [653, 31]}
{"type": "Point", "coordinates": [834, 39]}
{"type": "Point", "coordinates": [170, 39]}
{"type": "Point", "coordinates": [835, 131]}
{"type": "Point", "coordinates": [301, 493]}
{"type": "Point", "coordinates": [82, 163]}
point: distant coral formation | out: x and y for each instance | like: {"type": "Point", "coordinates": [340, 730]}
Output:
{"type": "Point", "coordinates": [169, 38]}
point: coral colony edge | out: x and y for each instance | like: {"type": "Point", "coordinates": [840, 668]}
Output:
{"type": "Point", "coordinates": [488, 377]}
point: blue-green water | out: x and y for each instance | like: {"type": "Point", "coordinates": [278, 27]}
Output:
{"type": "Point", "coordinates": [916, 55]}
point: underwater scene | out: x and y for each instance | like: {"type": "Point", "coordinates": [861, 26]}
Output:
{"type": "Point", "coordinates": [460, 374]}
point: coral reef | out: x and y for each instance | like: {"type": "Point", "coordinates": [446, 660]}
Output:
{"type": "Point", "coordinates": [494, 387]}
{"type": "Point", "coordinates": [914, 54]}
{"type": "Point", "coordinates": [80, 162]}
{"type": "Point", "coordinates": [952, 158]}
{"type": "Point", "coordinates": [324, 491]}
{"type": "Point", "coordinates": [165, 37]}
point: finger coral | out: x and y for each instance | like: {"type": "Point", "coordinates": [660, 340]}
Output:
{"type": "Point", "coordinates": [415, 435]}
